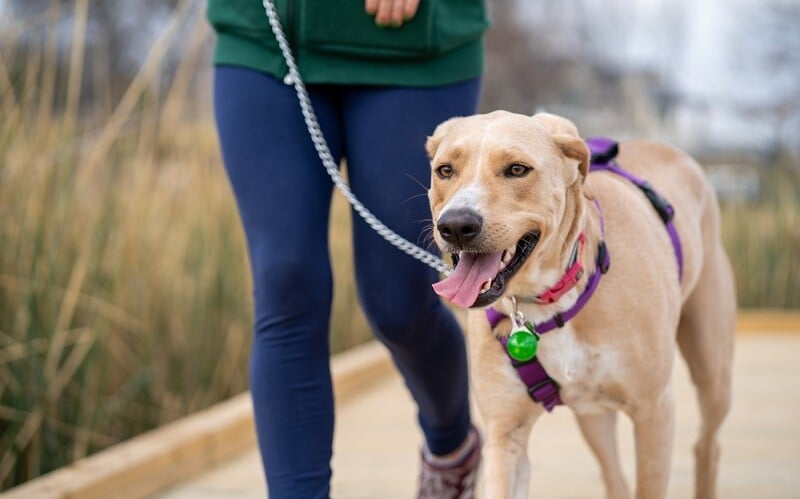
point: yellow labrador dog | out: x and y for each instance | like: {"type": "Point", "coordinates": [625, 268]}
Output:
{"type": "Point", "coordinates": [510, 196]}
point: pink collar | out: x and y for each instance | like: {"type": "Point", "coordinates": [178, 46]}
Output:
{"type": "Point", "coordinates": [569, 279]}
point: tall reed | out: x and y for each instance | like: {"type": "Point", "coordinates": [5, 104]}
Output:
{"type": "Point", "coordinates": [762, 238]}
{"type": "Point", "coordinates": [124, 291]}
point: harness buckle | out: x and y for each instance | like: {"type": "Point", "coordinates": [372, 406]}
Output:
{"type": "Point", "coordinates": [602, 257]}
{"type": "Point", "coordinates": [602, 150]}
{"type": "Point", "coordinates": [533, 389]}
{"type": "Point", "coordinates": [662, 206]}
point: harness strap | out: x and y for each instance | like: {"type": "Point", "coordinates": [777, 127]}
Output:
{"type": "Point", "coordinates": [541, 387]}
{"type": "Point", "coordinates": [604, 151]}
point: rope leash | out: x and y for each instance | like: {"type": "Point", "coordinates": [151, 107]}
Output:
{"type": "Point", "coordinates": [314, 130]}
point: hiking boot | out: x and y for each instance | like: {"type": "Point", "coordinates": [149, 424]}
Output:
{"type": "Point", "coordinates": [455, 480]}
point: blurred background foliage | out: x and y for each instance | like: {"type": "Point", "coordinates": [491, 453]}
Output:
{"type": "Point", "coordinates": [124, 291]}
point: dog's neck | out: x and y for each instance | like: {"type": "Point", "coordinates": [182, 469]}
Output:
{"type": "Point", "coordinates": [579, 217]}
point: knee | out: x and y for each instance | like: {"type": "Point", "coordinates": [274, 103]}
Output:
{"type": "Point", "coordinates": [290, 294]}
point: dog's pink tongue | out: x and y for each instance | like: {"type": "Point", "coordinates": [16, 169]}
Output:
{"type": "Point", "coordinates": [473, 270]}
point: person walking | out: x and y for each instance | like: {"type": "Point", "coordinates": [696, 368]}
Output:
{"type": "Point", "coordinates": [381, 75]}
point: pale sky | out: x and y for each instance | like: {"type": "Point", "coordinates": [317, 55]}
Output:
{"type": "Point", "coordinates": [696, 44]}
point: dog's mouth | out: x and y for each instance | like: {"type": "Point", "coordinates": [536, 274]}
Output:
{"type": "Point", "coordinates": [479, 279]}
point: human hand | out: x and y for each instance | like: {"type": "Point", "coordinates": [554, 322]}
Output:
{"type": "Point", "coordinates": [391, 12]}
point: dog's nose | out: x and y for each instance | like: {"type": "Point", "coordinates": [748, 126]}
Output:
{"type": "Point", "coordinates": [459, 226]}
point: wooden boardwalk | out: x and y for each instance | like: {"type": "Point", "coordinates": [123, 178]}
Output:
{"type": "Point", "coordinates": [376, 447]}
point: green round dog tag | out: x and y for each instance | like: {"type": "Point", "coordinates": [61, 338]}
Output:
{"type": "Point", "coordinates": [522, 345]}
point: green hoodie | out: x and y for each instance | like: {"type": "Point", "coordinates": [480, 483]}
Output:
{"type": "Point", "coordinates": [336, 41]}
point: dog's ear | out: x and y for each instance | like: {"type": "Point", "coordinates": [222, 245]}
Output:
{"type": "Point", "coordinates": [565, 136]}
{"type": "Point", "coordinates": [576, 149]}
{"type": "Point", "coordinates": [432, 144]}
{"type": "Point", "coordinates": [556, 125]}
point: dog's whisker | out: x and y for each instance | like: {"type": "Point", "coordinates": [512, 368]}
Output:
{"type": "Point", "coordinates": [424, 241]}
{"type": "Point", "coordinates": [426, 237]}
{"type": "Point", "coordinates": [412, 177]}
{"type": "Point", "coordinates": [415, 196]}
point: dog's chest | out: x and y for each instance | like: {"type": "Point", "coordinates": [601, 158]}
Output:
{"type": "Point", "coordinates": [588, 376]}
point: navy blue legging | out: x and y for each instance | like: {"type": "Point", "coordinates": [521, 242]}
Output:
{"type": "Point", "coordinates": [283, 195]}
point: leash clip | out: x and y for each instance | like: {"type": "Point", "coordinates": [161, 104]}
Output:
{"type": "Point", "coordinates": [516, 316]}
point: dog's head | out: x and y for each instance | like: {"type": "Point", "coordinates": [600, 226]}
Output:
{"type": "Point", "coordinates": [503, 190]}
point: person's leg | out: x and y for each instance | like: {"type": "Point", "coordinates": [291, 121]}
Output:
{"type": "Point", "coordinates": [385, 133]}
{"type": "Point", "coordinates": [283, 196]}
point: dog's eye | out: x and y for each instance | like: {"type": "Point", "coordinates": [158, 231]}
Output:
{"type": "Point", "coordinates": [517, 171]}
{"type": "Point", "coordinates": [444, 171]}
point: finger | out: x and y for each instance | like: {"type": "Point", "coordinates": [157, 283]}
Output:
{"type": "Point", "coordinates": [371, 6]}
{"type": "Point", "coordinates": [383, 15]}
{"type": "Point", "coordinates": [410, 9]}
{"type": "Point", "coordinates": [397, 12]}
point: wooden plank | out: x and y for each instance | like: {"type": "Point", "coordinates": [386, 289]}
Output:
{"type": "Point", "coordinates": [768, 321]}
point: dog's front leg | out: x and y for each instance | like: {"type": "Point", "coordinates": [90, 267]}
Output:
{"type": "Point", "coordinates": [507, 470]}
{"type": "Point", "coordinates": [654, 429]}
{"type": "Point", "coordinates": [508, 414]}
{"type": "Point", "coordinates": [600, 432]}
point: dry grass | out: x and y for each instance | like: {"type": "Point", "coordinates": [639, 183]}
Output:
{"type": "Point", "coordinates": [124, 292]}
{"type": "Point", "coordinates": [763, 241]}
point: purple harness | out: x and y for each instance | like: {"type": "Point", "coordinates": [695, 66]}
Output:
{"type": "Point", "coordinates": [603, 153]}
{"type": "Point", "coordinates": [541, 387]}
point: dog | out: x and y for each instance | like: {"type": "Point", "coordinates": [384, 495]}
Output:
{"type": "Point", "coordinates": [510, 195]}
